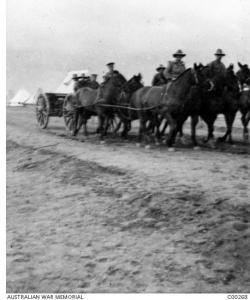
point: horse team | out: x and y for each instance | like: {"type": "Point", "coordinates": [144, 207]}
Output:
{"type": "Point", "coordinates": [194, 93]}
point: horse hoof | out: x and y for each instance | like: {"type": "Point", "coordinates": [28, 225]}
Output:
{"type": "Point", "coordinates": [220, 140]}
{"type": "Point", "coordinates": [197, 148]}
{"type": "Point", "coordinates": [171, 149]}
{"type": "Point", "coordinates": [138, 145]}
{"type": "Point", "coordinates": [245, 136]}
{"type": "Point", "coordinates": [102, 142]}
{"type": "Point", "coordinates": [211, 145]}
{"type": "Point", "coordinates": [147, 147]}
{"type": "Point", "coordinates": [182, 140]}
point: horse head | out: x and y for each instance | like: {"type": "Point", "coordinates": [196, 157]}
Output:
{"type": "Point", "coordinates": [243, 74]}
{"type": "Point", "coordinates": [203, 79]}
{"type": "Point", "coordinates": [133, 84]}
{"type": "Point", "coordinates": [231, 80]}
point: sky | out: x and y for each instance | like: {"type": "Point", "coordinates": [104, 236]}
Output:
{"type": "Point", "coordinates": [48, 38]}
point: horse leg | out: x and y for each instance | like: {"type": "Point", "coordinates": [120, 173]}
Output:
{"type": "Point", "coordinates": [143, 128]}
{"type": "Point", "coordinates": [210, 125]}
{"type": "Point", "coordinates": [164, 128]}
{"type": "Point", "coordinates": [157, 123]}
{"type": "Point", "coordinates": [244, 121]}
{"type": "Point", "coordinates": [172, 130]}
{"type": "Point", "coordinates": [75, 128]}
{"type": "Point", "coordinates": [125, 131]}
{"type": "Point", "coordinates": [118, 126]}
{"type": "Point", "coordinates": [100, 129]}
{"type": "Point", "coordinates": [194, 122]}
{"type": "Point", "coordinates": [229, 118]}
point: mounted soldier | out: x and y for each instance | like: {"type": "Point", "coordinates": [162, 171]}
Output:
{"type": "Point", "coordinates": [217, 72]}
{"type": "Point", "coordinates": [112, 73]}
{"type": "Point", "coordinates": [159, 78]}
{"type": "Point", "coordinates": [217, 67]}
{"type": "Point", "coordinates": [175, 67]}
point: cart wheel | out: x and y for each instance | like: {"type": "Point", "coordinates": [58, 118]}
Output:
{"type": "Point", "coordinates": [70, 116]}
{"type": "Point", "coordinates": [42, 110]}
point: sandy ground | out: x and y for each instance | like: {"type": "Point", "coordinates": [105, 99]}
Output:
{"type": "Point", "coordinates": [85, 217]}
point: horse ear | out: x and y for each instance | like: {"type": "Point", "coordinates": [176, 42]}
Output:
{"type": "Point", "coordinates": [201, 65]}
{"type": "Point", "coordinates": [231, 66]}
{"type": "Point", "coordinates": [240, 65]}
{"type": "Point", "coordinates": [139, 76]}
{"type": "Point", "coordinates": [195, 66]}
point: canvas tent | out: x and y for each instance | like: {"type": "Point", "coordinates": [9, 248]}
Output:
{"type": "Point", "coordinates": [21, 96]}
{"type": "Point", "coordinates": [32, 98]}
{"type": "Point", "coordinates": [67, 84]}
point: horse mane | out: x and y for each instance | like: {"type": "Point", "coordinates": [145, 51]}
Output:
{"type": "Point", "coordinates": [182, 74]}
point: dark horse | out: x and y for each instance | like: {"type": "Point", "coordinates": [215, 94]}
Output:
{"type": "Point", "coordinates": [126, 113]}
{"type": "Point", "coordinates": [244, 103]}
{"type": "Point", "coordinates": [222, 99]}
{"type": "Point", "coordinates": [172, 102]}
{"type": "Point", "coordinates": [106, 103]}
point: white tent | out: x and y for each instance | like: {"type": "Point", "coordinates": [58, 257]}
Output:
{"type": "Point", "coordinates": [67, 84]}
{"type": "Point", "coordinates": [32, 98]}
{"type": "Point", "coordinates": [21, 96]}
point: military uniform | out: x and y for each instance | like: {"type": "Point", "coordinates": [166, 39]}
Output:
{"type": "Point", "coordinates": [217, 72]}
{"type": "Point", "coordinates": [76, 85]}
{"type": "Point", "coordinates": [110, 74]}
{"type": "Point", "coordinates": [217, 68]}
{"type": "Point", "coordinates": [174, 69]}
{"type": "Point", "coordinates": [94, 85]}
{"type": "Point", "coordinates": [159, 79]}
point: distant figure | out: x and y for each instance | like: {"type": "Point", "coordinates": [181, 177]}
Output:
{"type": "Point", "coordinates": [111, 72]}
{"type": "Point", "coordinates": [175, 67]}
{"type": "Point", "coordinates": [93, 82]}
{"type": "Point", "coordinates": [159, 78]}
{"type": "Point", "coordinates": [84, 81]}
{"type": "Point", "coordinates": [75, 78]}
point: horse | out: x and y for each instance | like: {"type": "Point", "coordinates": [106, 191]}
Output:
{"type": "Point", "coordinates": [243, 74]}
{"type": "Point", "coordinates": [244, 103]}
{"type": "Point", "coordinates": [107, 96]}
{"type": "Point", "coordinates": [127, 114]}
{"type": "Point", "coordinates": [91, 101]}
{"type": "Point", "coordinates": [171, 102]}
{"type": "Point", "coordinates": [223, 98]}
{"type": "Point", "coordinates": [71, 105]}
{"type": "Point", "coordinates": [192, 105]}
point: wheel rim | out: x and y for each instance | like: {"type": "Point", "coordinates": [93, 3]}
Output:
{"type": "Point", "coordinates": [42, 111]}
{"type": "Point", "coordinates": [69, 117]}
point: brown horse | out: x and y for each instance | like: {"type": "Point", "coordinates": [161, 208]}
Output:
{"type": "Point", "coordinates": [107, 96]}
{"type": "Point", "coordinates": [244, 103]}
{"type": "Point", "coordinates": [170, 102]}
{"type": "Point", "coordinates": [125, 113]}
{"type": "Point", "coordinates": [113, 94]}
{"type": "Point", "coordinates": [222, 99]}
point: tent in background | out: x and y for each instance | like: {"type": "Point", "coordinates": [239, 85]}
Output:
{"type": "Point", "coordinates": [66, 87]}
{"type": "Point", "coordinates": [32, 98]}
{"type": "Point", "coordinates": [21, 96]}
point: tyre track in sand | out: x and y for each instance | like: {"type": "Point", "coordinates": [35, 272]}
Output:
{"type": "Point", "coordinates": [88, 218]}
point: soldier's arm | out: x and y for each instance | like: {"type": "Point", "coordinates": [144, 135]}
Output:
{"type": "Point", "coordinates": [154, 80]}
{"type": "Point", "coordinates": [167, 71]}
